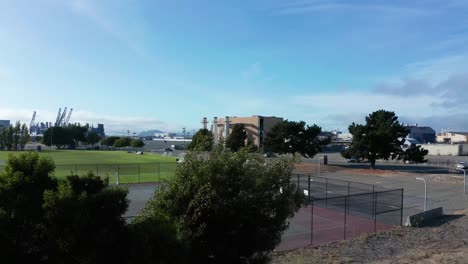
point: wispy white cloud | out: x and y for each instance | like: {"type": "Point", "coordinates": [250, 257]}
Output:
{"type": "Point", "coordinates": [113, 123]}
{"type": "Point", "coordinates": [301, 7]}
{"type": "Point", "coordinates": [363, 102]}
{"type": "Point", "coordinates": [338, 110]}
{"type": "Point", "coordinates": [437, 70]}
{"type": "Point", "coordinates": [90, 10]}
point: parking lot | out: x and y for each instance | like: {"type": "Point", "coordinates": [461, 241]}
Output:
{"type": "Point", "coordinates": [444, 188]}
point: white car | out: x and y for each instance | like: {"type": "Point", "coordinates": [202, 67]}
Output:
{"type": "Point", "coordinates": [462, 165]}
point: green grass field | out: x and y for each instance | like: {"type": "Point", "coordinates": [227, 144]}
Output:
{"type": "Point", "coordinates": [117, 165]}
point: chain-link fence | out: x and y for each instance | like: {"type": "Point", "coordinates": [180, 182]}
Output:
{"type": "Point", "coordinates": [339, 210]}
{"type": "Point", "coordinates": [120, 173]}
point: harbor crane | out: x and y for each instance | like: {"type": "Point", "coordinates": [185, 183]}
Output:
{"type": "Point", "coordinates": [65, 123]}
{"type": "Point", "coordinates": [62, 117]}
{"type": "Point", "coordinates": [58, 117]}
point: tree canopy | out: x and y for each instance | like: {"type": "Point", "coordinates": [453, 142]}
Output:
{"type": "Point", "coordinates": [229, 208]}
{"type": "Point", "coordinates": [414, 154]}
{"type": "Point", "coordinates": [202, 141]}
{"type": "Point", "coordinates": [14, 137]}
{"type": "Point", "coordinates": [76, 220]}
{"type": "Point", "coordinates": [65, 136]}
{"type": "Point", "coordinates": [92, 138]}
{"type": "Point", "coordinates": [380, 138]}
{"type": "Point", "coordinates": [122, 142]}
{"type": "Point", "coordinates": [109, 141]}
{"type": "Point", "coordinates": [237, 137]}
{"type": "Point", "coordinates": [137, 143]}
{"type": "Point", "coordinates": [295, 137]}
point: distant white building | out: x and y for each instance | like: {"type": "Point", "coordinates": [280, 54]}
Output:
{"type": "Point", "coordinates": [452, 137]}
{"type": "Point", "coordinates": [161, 135]}
{"type": "Point", "coordinates": [345, 136]}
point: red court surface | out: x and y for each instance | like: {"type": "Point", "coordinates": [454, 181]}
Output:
{"type": "Point", "coordinates": [328, 225]}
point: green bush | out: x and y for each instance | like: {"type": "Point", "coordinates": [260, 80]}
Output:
{"type": "Point", "coordinates": [228, 208]}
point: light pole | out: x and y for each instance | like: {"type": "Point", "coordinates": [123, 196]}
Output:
{"type": "Point", "coordinates": [425, 191]}
{"type": "Point", "coordinates": [318, 168]}
{"type": "Point", "coordinates": [464, 180]}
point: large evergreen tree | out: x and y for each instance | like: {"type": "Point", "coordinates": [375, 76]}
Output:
{"type": "Point", "coordinates": [295, 137]}
{"type": "Point", "coordinates": [237, 137]}
{"type": "Point", "coordinates": [202, 141]}
{"type": "Point", "coordinates": [380, 138]}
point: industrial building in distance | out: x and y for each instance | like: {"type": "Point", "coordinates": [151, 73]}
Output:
{"type": "Point", "coordinates": [4, 123]}
{"type": "Point", "coordinates": [422, 134]}
{"type": "Point", "coordinates": [62, 120]}
{"type": "Point", "coordinates": [256, 127]}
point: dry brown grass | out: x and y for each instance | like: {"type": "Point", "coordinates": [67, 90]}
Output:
{"type": "Point", "coordinates": [446, 242]}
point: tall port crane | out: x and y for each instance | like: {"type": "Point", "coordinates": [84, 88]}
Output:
{"type": "Point", "coordinates": [65, 123]}
{"type": "Point", "coordinates": [58, 117]}
{"type": "Point", "coordinates": [31, 125]}
{"type": "Point", "coordinates": [62, 117]}
{"type": "Point", "coordinates": [32, 120]}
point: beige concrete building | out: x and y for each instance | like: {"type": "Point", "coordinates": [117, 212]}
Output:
{"type": "Point", "coordinates": [452, 137]}
{"type": "Point", "coordinates": [256, 127]}
{"type": "Point", "coordinates": [443, 149]}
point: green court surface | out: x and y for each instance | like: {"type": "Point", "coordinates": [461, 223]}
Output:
{"type": "Point", "coordinates": [119, 166]}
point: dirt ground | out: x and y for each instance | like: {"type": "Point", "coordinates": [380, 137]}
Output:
{"type": "Point", "coordinates": [445, 241]}
{"type": "Point", "coordinates": [312, 168]}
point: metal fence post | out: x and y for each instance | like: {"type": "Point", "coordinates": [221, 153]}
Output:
{"type": "Point", "coordinates": [312, 223]}
{"type": "Point", "coordinates": [138, 172]}
{"type": "Point", "coordinates": [118, 174]}
{"type": "Point", "coordinates": [326, 192]}
{"type": "Point", "coordinates": [308, 187]}
{"type": "Point", "coordinates": [401, 209]}
{"type": "Point", "coordinates": [345, 209]}
{"type": "Point", "coordinates": [375, 212]}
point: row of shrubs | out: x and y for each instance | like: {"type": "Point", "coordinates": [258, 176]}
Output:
{"type": "Point", "coordinates": [228, 208]}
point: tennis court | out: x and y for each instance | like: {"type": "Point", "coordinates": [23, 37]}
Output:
{"type": "Point", "coordinates": [337, 211]}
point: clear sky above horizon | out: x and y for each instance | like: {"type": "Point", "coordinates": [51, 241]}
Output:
{"type": "Point", "coordinates": [138, 65]}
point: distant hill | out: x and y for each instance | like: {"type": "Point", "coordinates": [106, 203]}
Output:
{"type": "Point", "coordinates": [149, 133]}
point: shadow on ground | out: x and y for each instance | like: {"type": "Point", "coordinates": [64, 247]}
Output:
{"type": "Point", "coordinates": [443, 220]}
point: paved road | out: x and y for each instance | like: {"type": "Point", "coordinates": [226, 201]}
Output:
{"type": "Point", "coordinates": [138, 195]}
{"type": "Point", "coordinates": [448, 195]}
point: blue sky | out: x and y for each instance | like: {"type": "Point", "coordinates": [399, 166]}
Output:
{"type": "Point", "coordinates": [154, 64]}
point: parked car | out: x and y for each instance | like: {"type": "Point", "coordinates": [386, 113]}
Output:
{"type": "Point", "coordinates": [353, 160]}
{"type": "Point", "coordinates": [168, 149]}
{"type": "Point", "coordinates": [462, 165]}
